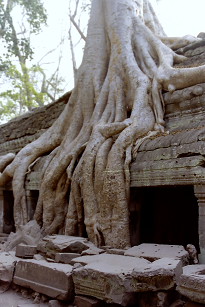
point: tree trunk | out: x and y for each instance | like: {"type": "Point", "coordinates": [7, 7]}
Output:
{"type": "Point", "coordinates": [116, 102]}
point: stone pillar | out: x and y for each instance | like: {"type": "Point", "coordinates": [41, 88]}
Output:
{"type": "Point", "coordinates": [199, 191]}
{"type": "Point", "coordinates": [29, 202]}
{"type": "Point", "coordinates": [1, 210]}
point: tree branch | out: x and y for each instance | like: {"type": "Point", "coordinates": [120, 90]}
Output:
{"type": "Point", "coordinates": [77, 28]}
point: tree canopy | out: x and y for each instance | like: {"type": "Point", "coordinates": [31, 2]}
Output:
{"type": "Point", "coordinates": [24, 83]}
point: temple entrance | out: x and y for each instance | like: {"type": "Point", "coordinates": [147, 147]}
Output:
{"type": "Point", "coordinates": [164, 215]}
{"type": "Point", "coordinates": [8, 218]}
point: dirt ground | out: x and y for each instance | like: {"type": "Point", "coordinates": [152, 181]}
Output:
{"type": "Point", "coordinates": [12, 299]}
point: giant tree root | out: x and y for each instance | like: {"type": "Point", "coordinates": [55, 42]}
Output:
{"type": "Point", "coordinates": [117, 100]}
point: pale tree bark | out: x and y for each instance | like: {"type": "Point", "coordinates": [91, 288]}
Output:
{"type": "Point", "coordinates": [117, 102]}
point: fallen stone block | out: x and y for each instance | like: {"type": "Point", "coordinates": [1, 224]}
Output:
{"type": "Point", "coordinates": [50, 245]}
{"type": "Point", "coordinates": [107, 277]}
{"type": "Point", "coordinates": [154, 252]}
{"type": "Point", "coordinates": [85, 301]}
{"type": "Point", "coordinates": [7, 266]}
{"type": "Point", "coordinates": [192, 283]}
{"type": "Point", "coordinates": [65, 257]}
{"type": "Point", "coordinates": [115, 251]}
{"type": "Point", "coordinates": [84, 260]}
{"type": "Point", "coordinates": [25, 251]}
{"type": "Point", "coordinates": [92, 250]}
{"type": "Point", "coordinates": [162, 274]}
{"type": "Point", "coordinates": [38, 257]}
{"type": "Point", "coordinates": [28, 234]}
{"type": "Point", "coordinates": [51, 279]}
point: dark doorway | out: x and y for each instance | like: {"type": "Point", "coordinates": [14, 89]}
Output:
{"type": "Point", "coordinates": [168, 215]}
{"type": "Point", "coordinates": [8, 225]}
{"type": "Point", "coordinates": [32, 200]}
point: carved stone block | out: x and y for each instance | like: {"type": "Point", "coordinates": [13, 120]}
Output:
{"type": "Point", "coordinates": [107, 277]}
{"type": "Point", "coordinates": [50, 245]}
{"type": "Point", "coordinates": [162, 274]}
{"type": "Point", "coordinates": [25, 251]}
{"type": "Point", "coordinates": [192, 283]}
{"type": "Point", "coordinates": [51, 279]}
{"type": "Point", "coordinates": [7, 266]}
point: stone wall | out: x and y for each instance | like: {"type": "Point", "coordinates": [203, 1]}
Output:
{"type": "Point", "coordinates": [24, 129]}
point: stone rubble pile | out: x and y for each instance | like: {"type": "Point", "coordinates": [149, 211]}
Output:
{"type": "Point", "coordinates": [71, 271]}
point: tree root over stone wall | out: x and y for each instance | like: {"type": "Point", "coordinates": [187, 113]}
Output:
{"type": "Point", "coordinates": [127, 63]}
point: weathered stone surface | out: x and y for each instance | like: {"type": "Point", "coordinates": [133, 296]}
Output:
{"type": "Point", "coordinates": [93, 250]}
{"type": "Point", "coordinates": [7, 265]}
{"type": "Point", "coordinates": [38, 257]}
{"type": "Point", "coordinates": [50, 245]}
{"type": "Point", "coordinates": [192, 283]}
{"type": "Point", "coordinates": [53, 280]}
{"type": "Point", "coordinates": [25, 251]}
{"type": "Point", "coordinates": [24, 129]}
{"type": "Point", "coordinates": [65, 257]}
{"type": "Point", "coordinates": [29, 234]}
{"type": "Point", "coordinates": [161, 274]}
{"type": "Point", "coordinates": [107, 277]}
{"type": "Point", "coordinates": [84, 260]}
{"type": "Point", "coordinates": [115, 251]}
{"type": "Point", "coordinates": [154, 252]}
{"type": "Point", "coordinates": [193, 257]}
{"type": "Point", "coordinates": [85, 301]}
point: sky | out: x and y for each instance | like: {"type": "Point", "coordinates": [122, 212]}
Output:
{"type": "Point", "coordinates": [181, 17]}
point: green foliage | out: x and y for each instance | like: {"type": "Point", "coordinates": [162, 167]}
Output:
{"type": "Point", "coordinates": [35, 12]}
{"type": "Point", "coordinates": [34, 15]}
{"type": "Point", "coordinates": [26, 85]}
{"type": "Point", "coordinates": [14, 101]}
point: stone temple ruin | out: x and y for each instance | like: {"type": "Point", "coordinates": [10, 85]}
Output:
{"type": "Point", "coordinates": [167, 212]}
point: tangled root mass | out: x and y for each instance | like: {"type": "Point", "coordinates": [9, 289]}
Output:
{"type": "Point", "coordinates": [85, 182]}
